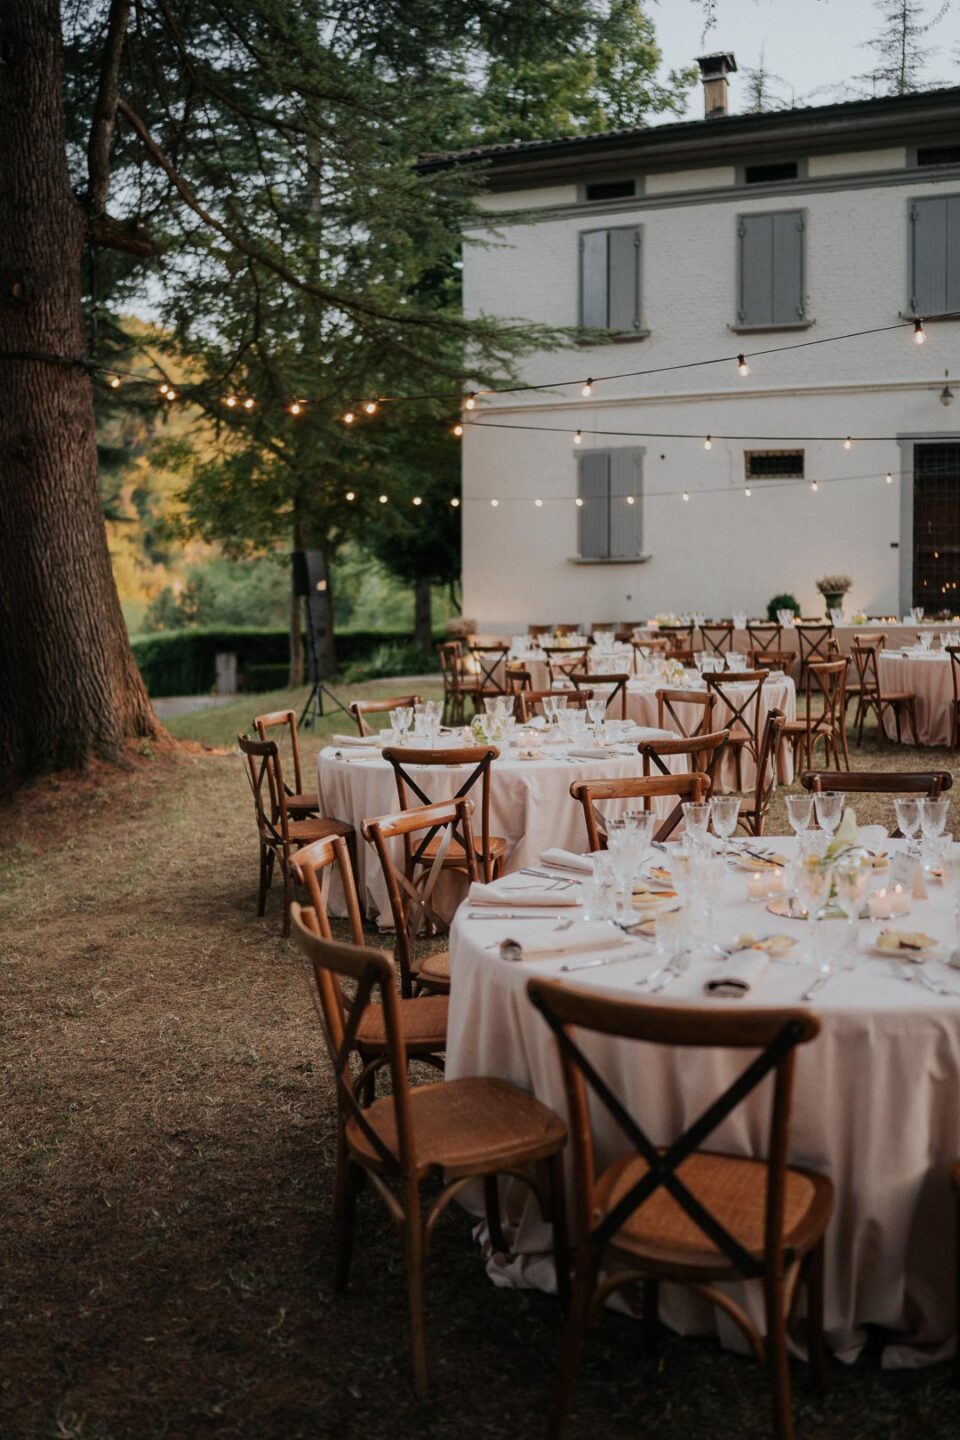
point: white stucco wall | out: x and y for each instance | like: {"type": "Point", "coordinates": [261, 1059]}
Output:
{"type": "Point", "coordinates": [719, 551]}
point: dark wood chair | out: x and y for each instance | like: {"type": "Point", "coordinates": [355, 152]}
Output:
{"type": "Point", "coordinates": [813, 644]}
{"type": "Point", "coordinates": [300, 803]}
{"type": "Point", "coordinates": [765, 635]}
{"type": "Point", "coordinates": [717, 639]}
{"type": "Point", "coordinates": [678, 637]}
{"type": "Point", "coordinates": [872, 697]}
{"type": "Point", "coordinates": [360, 709]}
{"type": "Point", "coordinates": [448, 1133]}
{"type": "Point", "coordinates": [615, 685]}
{"type": "Point", "coordinates": [458, 686]}
{"type": "Point", "coordinates": [681, 1213]}
{"type": "Point", "coordinates": [824, 684]}
{"type": "Point", "coordinates": [423, 1021]}
{"type": "Point", "coordinates": [561, 659]}
{"type": "Point", "coordinates": [771, 660]}
{"type": "Point", "coordinates": [704, 755]}
{"type": "Point", "coordinates": [588, 793]}
{"type": "Point", "coordinates": [561, 630]}
{"type": "Point", "coordinates": [490, 662]}
{"type": "Point", "coordinates": [530, 702]}
{"type": "Point", "coordinates": [953, 651]}
{"type": "Point", "coordinates": [955, 1181]}
{"type": "Point", "coordinates": [753, 816]}
{"type": "Point", "coordinates": [517, 677]}
{"type": "Point", "coordinates": [929, 783]}
{"type": "Point", "coordinates": [491, 848]}
{"type": "Point", "coordinates": [741, 714]}
{"type": "Point", "coordinates": [696, 700]}
{"type": "Point", "coordinates": [279, 834]}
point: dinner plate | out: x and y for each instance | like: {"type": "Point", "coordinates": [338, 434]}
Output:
{"type": "Point", "coordinates": [922, 949]}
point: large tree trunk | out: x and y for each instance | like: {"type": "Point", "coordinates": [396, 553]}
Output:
{"type": "Point", "coordinates": [422, 615]}
{"type": "Point", "coordinates": [71, 688]}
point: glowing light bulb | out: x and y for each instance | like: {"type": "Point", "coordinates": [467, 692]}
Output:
{"type": "Point", "coordinates": [114, 382]}
{"type": "Point", "coordinates": [383, 499]}
{"type": "Point", "coordinates": [296, 408]}
{"type": "Point", "coordinates": [742, 367]}
{"type": "Point", "coordinates": [351, 495]}
{"type": "Point", "coordinates": [455, 502]}
{"type": "Point", "coordinates": [164, 388]}
{"type": "Point", "coordinates": [586, 389]}
{"type": "Point", "coordinates": [848, 442]}
{"type": "Point", "coordinates": [889, 477]}
{"type": "Point", "coordinates": [579, 502]}
{"type": "Point", "coordinates": [919, 334]}
{"type": "Point", "coordinates": [171, 394]}
{"type": "Point", "coordinates": [470, 403]}
{"type": "Point", "coordinates": [230, 401]}
{"type": "Point", "coordinates": [578, 438]}
{"type": "Point", "coordinates": [494, 503]}
{"type": "Point", "coordinates": [417, 500]}
{"type": "Point", "coordinates": [371, 407]}
{"type": "Point", "coordinates": [814, 486]}
{"type": "Point", "coordinates": [249, 403]}
{"type": "Point", "coordinates": [349, 417]}
{"type": "Point", "coordinates": [746, 491]}
{"type": "Point", "coordinates": [708, 443]}
{"type": "Point", "coordinates": [631, 500]}
{"type": "Point", "coordinates": [457, 430]}
{"type": "Point", "coordinates": [686, 496]}
{"type": "Point", "coordinates": [538, 503]}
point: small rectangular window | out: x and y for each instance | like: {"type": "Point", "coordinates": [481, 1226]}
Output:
{"type": "Point", "coordinates": [773, 464]}
{"type": "Point", "coordinates": [939, 155]}
{"type": "Point", "coordinates": [776, 170]}
{"type": "Point", "coordinates": [611, 189]}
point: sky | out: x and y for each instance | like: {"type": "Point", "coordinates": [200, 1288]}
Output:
{"type": "Point", "coordinates": [809, 43]}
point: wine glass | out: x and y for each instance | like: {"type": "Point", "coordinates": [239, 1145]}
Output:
{"type": "Point", "coordinates": [829, 808]}
{"type": "Point", "coordinates": [549, 703]}
{"type": "Point", "coordinates": [696, 820]}
{"type": "Point", "coordinates": [850, 875]}
{"type": "Point", "coordinates": [799, 812]}
{"type": "Point", "coordinates": [700, 660]}
{"type": "Point", "coordinates": [596, 709]}
{"type": "Point", "coordinates": [401, 719]}
{"type": "Point", "coordinates": [724, 813]}
{"type": "Point", "coordinates": [908, 819]}
{"type": "Point", "coordinates": [933, 817]}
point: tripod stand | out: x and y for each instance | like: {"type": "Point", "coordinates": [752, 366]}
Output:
{"type": "Point", "coordinates": [314, 704]}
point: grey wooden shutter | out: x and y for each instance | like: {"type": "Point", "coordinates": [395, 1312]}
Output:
{"type": "Point", "coordinates": [623, 259]}
{"type": "Point", "coordinates": [594, 491]}
{"type": "Point", "coordinates": [771, 268]}
{"type": "Point", "coordinates": [626, 521]}
{"type": "Point", "coordinates": [935, 255]}
{"type": "Point", "coordinates": [594, 310]}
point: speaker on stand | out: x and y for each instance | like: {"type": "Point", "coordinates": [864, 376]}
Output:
{"type": "Point", "coordinates": [310, 581]}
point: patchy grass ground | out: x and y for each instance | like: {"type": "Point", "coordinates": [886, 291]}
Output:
{"type": "Point", "coordinates": [167, 1134]}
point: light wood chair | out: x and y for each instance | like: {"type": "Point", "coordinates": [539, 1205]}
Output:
{"type": "Point", "coordinates": [491, 848]}
{"type": "Point", "coordinates": [300, 803]}
{"type": "Point", "coordinates": [824, 684]}
{"type": "Point", "coordinates": [427, 830]}
{"type": "Point", "coordinates": [360, 709]}
{"type": "Point", "coordinates": [872, 697]}
{"type": "Point", "coordinates": [678, 637]}
{"type": "Point", "coordinates": [953, 651]}
{"type": "Point", "coordinates": [668, 719]}
{"type": "Point", "coordinates": [278, 834]}
{"type": "Point", "coordinates": [615, 685]}
{"type": "Point", "coordinates": [717, 639]}
{"type": "Point", "coordinates": [741, 715]}
{"type": "Point", "coordinates": [681, 1213]}
{"type": "Point", "coordinates": [517, 677]}
{"type": "Point", "coordinates": [450, 1133]}
{"type": "Point", "coordinates": [457, 684]}
{"type": "Point", "coordinates": [561, 660]}
{"type": "Point", "coordinates": [530, 702]}
{"type": "Point", "coordinates": [753, 816]}
{"type": "Point", "coordinates": [771, 660]}
{"type": "Point", "coordinates": [813, 644]}
{"type": "Point", "coordinates": [655, 646]}
{"type": "Point", "coordinates": [704, 755]}
{"type": "Point", "coordinates": [588, 793]}
{"type": "Point", "coordinates": [929, 783]}
{"type": "Point", "coordinates": [423, 1021]}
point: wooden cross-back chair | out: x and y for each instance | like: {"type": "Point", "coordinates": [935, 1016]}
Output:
{"type": "Point", "coordinates": [678, 637]}
{"type": "Point", "coordinates": [813, 644]}
{"type": "Point", "coordinates": [410, 791]}
{"type": "Point", "coordinates": [704, 755]}
{"type": "Point", "coordinates": [765, 635]}
{"type": "Point", "coordinates": [696, 700]}
{"type": "Point", "coordinates": [742, 715]}
{"type": "Point", "coordinates": [930, 784]}
{"type": "Point", "coordinates": [490, 661]}
{"type": "Point", "coordinates": [299, 803]}
{"type": "Point", "coordinates": [427, 830]}
{"type": "Point", "coordinates": [953, 652]}
{"type": "Point", "coordinates": [561, 660]}
{"type": "Point", "coordinates": [423, 1022]}
{"type": "Point", "coordinates": [615, 683]}
{"type": "Point", "coordinates": [278, 833]}
{"type": "Point", "coordinates": [530, 702]}
{"type": "Point", "coordinates": [824, 683]}
{"type": "Point", "coordinates": [871, 696]}
{"type": "Point", "coordinates": [588, 793]}
{"type": "Point", "coordinates": [658, 646]}
{"type": "Point", "coordinates": [456, 684]}
{"type": "Point", "coordinates": [753, 816]}
{"type": "Point", "coordinates": [450, 1133]}
{"type": "Point", "coordinates": [517, 677]}
{"type": "Point", "coordinates": [360, 709]}
{"type": "Point", "coordinates": [681, 1213]}
{"type": "Point", "coordinates": [717, 639]}
{"type": "Point", "coordinates": [771, 660]}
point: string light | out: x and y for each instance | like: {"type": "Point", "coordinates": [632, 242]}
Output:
{"type": "Point", "coordinates": [455, 502]}
{"type": "Point", "coordinates": [417, 500]}
{"type": "Point", "coordinates": [919, 334]}
{"type": "Point", "coordinates": [164, 388]}
{"type": "Point", "coordinates": [296, 408]}
{"type": "Point", "coordinates": [848, 442]}
{"type": "Point", "coordinates": [742, 367]}
{"type": "Point", "coordinates": [746, 491]}
{"type": "Point", "coordinates": [579, 502]}
{"type": "Point", "coordinates": [889, 477]}
{"type": "Point", "coordinates": [578, 438]}
{"type": "Point", "coordinates": [349, 417]}
{"type": "Point", "coordinates": [630, 500]}
{"type": "Point", "coordinates": [686, 496]}
{"type": "Point", "coordinates": [538, 503]}
{"type": "Point", "coordinates": [457, 430]}
{"type": "Point", "coordinates": [230, 401]}
{"type": "Point", "coordinates": [814, 487]}
{"type": "Point", "coordinates": [383, 499]}
{"type": "Point", "coordinates": [586, 389]}
{"type": "Point", "coordinates": [470, 403]}
{"type": "Point", "coordinates": [249, 403]}
{"type": "Point", "coordinates": [171, 394]}
{"type": "Point", "coordinates": [371, 407]}
{"type": "Point", "coordinates": [351, 495]}
{"type": "Point", "coordinates": [114, 382]}
{"type": "Point", "coordinates": [494, 503]}
{"type": "Point", "coordinates": [708, 443]}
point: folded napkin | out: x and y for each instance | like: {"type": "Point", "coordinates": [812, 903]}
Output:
{"type": "Point", "coordinates": [568, 860]}
{"type": "Point", "coordinates": [872, 837]}
{"type": "Point", "coordinates": [578, 940]}
{"type": "Point", "coordinates": [357, 752]}
{"type": "Point", "coordinates": [737, 974]}
{"type": "Point", "coordinates": [364, 740]}
{"type": "Point", "coordinates": [503, 893]}
{"type": "Point", "coordinates": [597, 752]}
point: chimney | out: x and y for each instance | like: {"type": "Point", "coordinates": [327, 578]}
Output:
{"type": "Point", "coordinates": [714, 70]}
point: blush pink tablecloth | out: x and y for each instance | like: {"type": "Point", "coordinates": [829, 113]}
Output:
{"type": "Point", "coordinates": [928, 678]}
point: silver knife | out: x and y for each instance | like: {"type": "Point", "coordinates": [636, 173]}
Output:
{"type": "Point", "coordinates": [592, 964]}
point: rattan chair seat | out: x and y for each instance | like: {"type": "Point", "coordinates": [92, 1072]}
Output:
{"type": "Point", "coordinates": [423, 1022]}
{"type": "Point", "coordinates": [434, 971]}
{"type": "Point", "coordinates": [304, 832]}
{"type": "Point", "coordinates": [458, 1125]}
{"type": "Point", "coordinates": [455, 857]}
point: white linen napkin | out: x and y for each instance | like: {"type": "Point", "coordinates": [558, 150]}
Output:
{"type": "Point", "coordinates": [366, 740]}
{"type": "Point", "coordinates": [501, 893]}
{"type": "Point", "coordinates": [578, 940]}
{"type": "Point", "coordinates": [737, 974]}
{"type": "Point", "coordinates": [873, 837]}
{"type": "Point", "coordinates": [568, 860]}
{"type": "Point", "coordinates": [598, 752]}
{"type": "Point", "coordinates": [357, 752]}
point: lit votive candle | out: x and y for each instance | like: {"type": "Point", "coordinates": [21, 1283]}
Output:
{"type": "Point", "coordinates": [899, 901]}
{"type": "Point", "coordinates": [757, 886]}
{"type": "Point", "coordinates": [879, 905]}
{"type": "Point", "coordinates": [775, 882]}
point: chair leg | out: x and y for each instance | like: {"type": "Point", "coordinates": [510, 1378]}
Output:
{"type": "Point", "coordinates": [651, 1317]}
{"type": "Point", "coordinates": [816, 1355]}
{"type": "Point", "coordinates": [558, 1216]}
{"type": "Point", "coordinates": [345, 1187]}
{"type": "Point", "coordinates": [265, 869]}
{"type": "Point", "coordinates": [572, 1348]}
{"type": "Point", "coordinates": [415, 1249]}
{"type": "Point", "coordinates": [777, 1358]}
{"type": "Point", "coordinates": [912, 712]}
{"type": "Point", "coordinates": [491, 1201]}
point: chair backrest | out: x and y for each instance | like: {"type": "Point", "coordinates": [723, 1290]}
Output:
{"type": "Point", "coordinates": [410, 792]}
{"type": "Point", "coordinates": [409, 892]}
{"type": "Point", "coordinates": [929, 783]}
{"type": "Point", "coordinates": [827, 679]}
{"type": "Point", "coordinates": [265, 774]}
{"type": "Point", "coordinates": [697, 700]}
{"type": "Point", "coordinates": [312, 867]}
{"type": "Point", "coordinates": [678, 637]}
{"type": "Point", "coordinates": [450, 653]}
{"type": "Point", "coordinates": [683, 657]}
{"type": "Point", "coordinates": [517, 677]}
{"type": "Point", "coordinates": [530, 702]}
{"type": "Point", "coordinates": [535, 631]}
{"type": "Point", "coordinates": [771, 660]}
{"type": "Point", "coordinates": [734, 711]}
{"type": "Point", "coordinates": [954, 652]}
{"type": "Point", "coordinates": [327, 963]}
{"type": "Point", "coordinates": [717, 639]}
{"type": "Point", "coordinates": [360, 709]}
{"type": "Point", "coordinates": [656, 645]}
{"type": "Point", "coordinates": [588, 793]}
{"type": "Point", "coordinates": [704, 755]}
{"type": "Point", "coordinates": [878, 638]}
{"type": "Point", "coordinates": [490, 661]}
{"type": "Point", "coordinates": [286, 719]}
{"type": "Point", "coordinates": [561, 659]}
{"type": "Point", "coordinates": [812, 640]}
{"type": "Point", "coordinates": [765, 635]}
{"type": "Point", "coordinates": [775, 1034]}
{"type": "Point", "coordinates": [596, 684]}
{"type": "Point", "coordinates": [864, 657]}
{"type": "Point", "coordinates": [767, 762]}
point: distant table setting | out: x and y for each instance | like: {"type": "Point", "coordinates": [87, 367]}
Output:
{"type": "Point", "coordinates": [861, 928]}
{"type": "Point", "coordinates": [927, 674]}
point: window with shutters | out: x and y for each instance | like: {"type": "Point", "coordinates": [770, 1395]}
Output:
{"type": "Point", "coordinates": [610, 518]}
{"type": "Point", "coordinates": [935, 255]}
{"type": "Point", "coordinates": [771, 270]}
{"type": "Point", "coordinates": [610, 280]}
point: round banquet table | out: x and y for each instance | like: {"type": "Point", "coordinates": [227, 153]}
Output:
{"type": "Point", "coordinates": [530, 805]}
{"type": "Point", "coordinates": [622, 659]}
{"type": "Point", "coordinates": [928, 678]}
{"type": "Point", "coordinates": [876, 1107]}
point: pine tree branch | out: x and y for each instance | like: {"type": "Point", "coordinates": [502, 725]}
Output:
{"type": "Point", "coordinates": [105, 109]}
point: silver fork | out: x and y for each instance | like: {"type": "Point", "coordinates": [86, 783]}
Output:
{"type": "Point", "coordinates": [678, 966]}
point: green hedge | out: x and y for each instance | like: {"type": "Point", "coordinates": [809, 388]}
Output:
{"type": "Point", "coordinates": [182, 662]}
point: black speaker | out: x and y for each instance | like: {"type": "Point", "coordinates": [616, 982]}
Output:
{"type": "Point", "coordinates": [309, 572]}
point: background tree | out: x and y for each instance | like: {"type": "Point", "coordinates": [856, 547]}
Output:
{"type": "Point", "coordinates": [899, 46]}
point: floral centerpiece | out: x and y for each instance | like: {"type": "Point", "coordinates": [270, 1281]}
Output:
{"type": "Point", "coordinates": [833, 588]}
{"type": "Point", "coordinates": [664, 617]}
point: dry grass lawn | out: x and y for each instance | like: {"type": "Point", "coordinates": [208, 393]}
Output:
{"type": "Point", "coordinates": [167, 1140]}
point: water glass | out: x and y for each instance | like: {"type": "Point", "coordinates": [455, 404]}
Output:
{"type": "Point", "coordinates": [933, 817]}
{"type": "Point", "coordinates": [925, 640]}
{"type": "Point", "coordinates": [724, 813]}
{"type": "Point", "coordinates": [908, 820]}
{"type": "Point", "coordinates": [850, 877]}
{"type": "Point", "coordinates": [799, 812]}
{"type": "Point", "coordinates": [696, 821]}
{"type": "Point", "coordinates": [829, 807]}
{"type": "Point", "coordinates": [596, 709]}
{"type": "Point", "coordinates": [598, 892]}
{"type": "Point", "coordinates": [401, 719]}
